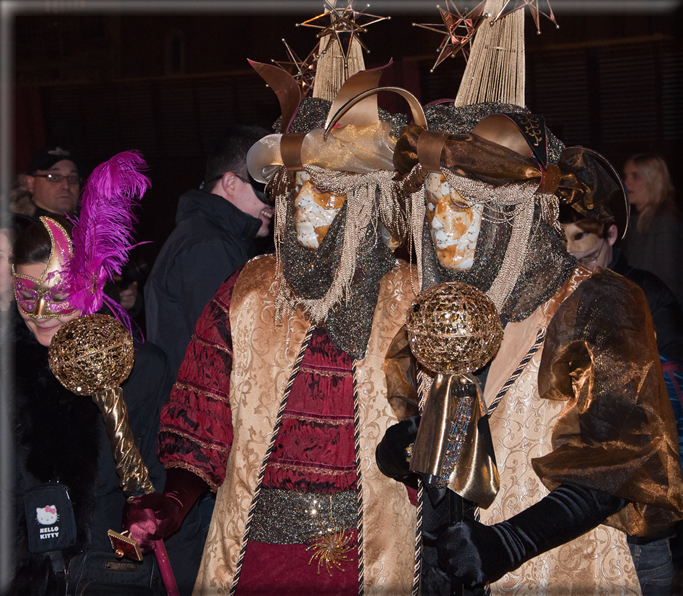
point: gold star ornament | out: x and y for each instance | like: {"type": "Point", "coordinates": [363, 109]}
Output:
{"type": "Point", "coordinates": [458, 28]}
{"type": "Point", "coordinates": [512, 5]}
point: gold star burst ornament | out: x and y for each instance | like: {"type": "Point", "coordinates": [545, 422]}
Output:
{"type": "Point", "coordinates": [512, 5]}
{"type": "Point", "coordinates": [342, 21]}
{"type": "Point", "coordinates": [458, 28]}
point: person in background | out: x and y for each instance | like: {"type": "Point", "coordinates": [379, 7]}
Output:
{"type": "Point", "coordinates": [216, 226]}
{"type": "Point", "coordinates": [61, 437]}
{"type": "Point", "coordinates": [6, 288]}
{"type": "Point", "coordinates": [654, 238]}
{"type": "Point", "coordinates": [593, 243]}
{"type": "Point", "coordinates": [54, 184]}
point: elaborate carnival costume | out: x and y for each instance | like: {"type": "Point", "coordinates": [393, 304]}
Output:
{"type": "Point", "coordinates": [582, 430]}
{"type": "Point", "coordinates": [281, 398]}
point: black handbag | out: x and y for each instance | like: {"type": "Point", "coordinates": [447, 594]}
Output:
{"type": "Point", "coordinates": [100, 573]}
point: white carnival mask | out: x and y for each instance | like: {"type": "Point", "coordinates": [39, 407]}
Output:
{"type": "Point", "coordinates": [454, 223]}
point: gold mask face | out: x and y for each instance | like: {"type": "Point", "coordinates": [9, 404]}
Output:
{"type": "Point", "coordinates": [314, 211]}
{"type": "Point", "coordinates": [454, 223]}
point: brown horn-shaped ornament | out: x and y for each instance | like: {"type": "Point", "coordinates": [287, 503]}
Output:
{"type": "Point", "coordinates": [364, 112]}
{"type": "Point", "coordinates": [286, 88]}
{"type": "Point", "coordinates": [415, 107]}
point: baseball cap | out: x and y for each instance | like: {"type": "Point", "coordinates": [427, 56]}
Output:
{"type": "Point", "coordinates": [46, 158]}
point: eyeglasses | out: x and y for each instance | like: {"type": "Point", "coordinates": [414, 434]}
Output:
{"type": "Point", "coordinates": [72, 179]}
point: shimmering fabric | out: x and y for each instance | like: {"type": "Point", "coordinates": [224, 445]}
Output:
{"type": "Point", "coordinates": [290, 517]}
{"type": "Point", "coordinates": [459, 120]}
{"type": "Point", "coordinates": [598, 562]}
{"type": "Point", "coordinates": [616, 432]}
{"type": "Point", "coordinates": [263, 358]}
{"type": "Point", "coordinates": [311, 272]}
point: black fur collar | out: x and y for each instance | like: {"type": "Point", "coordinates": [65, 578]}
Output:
{"type": "Point", "coordinates": [56, 439]}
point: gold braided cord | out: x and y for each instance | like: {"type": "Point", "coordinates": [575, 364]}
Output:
{"type": "Point", "coordinates": [362, 210]}
{"type": "Point", "coordinates": [495, 69]}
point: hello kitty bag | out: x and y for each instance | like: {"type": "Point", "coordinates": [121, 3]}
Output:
{"type": "Point", "coordinates": [50, 518]}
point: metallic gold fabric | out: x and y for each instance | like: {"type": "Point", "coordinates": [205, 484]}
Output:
{"type": "Point", "coordinates": [616, 432]}
{"type": "Point", "coordinates": [131, 470]}
{"type": "Point", "coordinates": [599, 562]}
{"type": "Point", "coordinates": [264, 355]}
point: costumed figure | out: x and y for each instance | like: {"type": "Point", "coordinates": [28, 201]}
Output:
{"type": "Point", "coordinates": [581, 427]}
{"type": "Point", "coordinates": [281, 398]}
{"type": "Point", "coordinates": [62, 444]}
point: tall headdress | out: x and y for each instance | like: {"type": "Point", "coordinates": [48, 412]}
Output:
{"type": "Point", "coordinates": [494, 152]}
{"type": "Point", "coordinates": [353, 162]}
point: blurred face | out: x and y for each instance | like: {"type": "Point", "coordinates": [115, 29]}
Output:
{"type": "Point", "coordinates": [636, 186]}
{"type": "Point", "coordinates": [56, 197]}
{"type": "Point", "coordinates": [5, 268]}
{"type": "Point", "coordinates": [245, 200]}
{"type": "Point", "coordinates": [42, 302]}
{"type": "Point", "coordinates": [314, 211]}
{"type": "Point", "coordinates": [454, 223]}
{"type": "Point", "coordinates": [589, 248]}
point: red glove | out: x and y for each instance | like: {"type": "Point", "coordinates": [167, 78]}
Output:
{"type": "Point", "coordinates": [157, 516]}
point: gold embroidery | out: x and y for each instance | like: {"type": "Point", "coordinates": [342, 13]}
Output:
{"type": "Point", "coordinates": [215, 396]}
{"type": "Point", "coordinates": [325, 373]}
{"type": "Point", "coordinates": [322, 471]}
{"type": "Point", "coordinates": [332, 422]}
{"type": "Point", "coordinates": [210, 344]}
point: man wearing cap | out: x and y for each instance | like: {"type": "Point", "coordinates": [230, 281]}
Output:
{"type": "Point", "coordinates": [216, 226]}
{"type": "Point", "coordinates": [54, 181]}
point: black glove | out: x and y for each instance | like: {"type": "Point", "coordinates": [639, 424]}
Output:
{"type": "Point", "coordinates": [391, 456]}
{"type": "Point", "coordinates": [477, 554]}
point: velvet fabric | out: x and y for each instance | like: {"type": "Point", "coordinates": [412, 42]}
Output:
{"type": "Point", "coordinates": [291, 569]}
{"type": "Point", "coordinates": [477, 554]}
{"type": "Point", "coordinates": [238, 351]}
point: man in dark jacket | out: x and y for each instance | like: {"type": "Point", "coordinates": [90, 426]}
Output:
{"type": "Point", "coordinates": [216, 226]}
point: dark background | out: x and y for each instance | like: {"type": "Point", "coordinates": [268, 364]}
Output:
{"type": "Point", "coordinates": [167, 82]}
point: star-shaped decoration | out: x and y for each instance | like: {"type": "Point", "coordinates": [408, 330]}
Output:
{"type": "Point", "coordinates": [512, 5]}
{"type": "Point", "coordinates": [458, 28]}
{"type": "Point", "coordinates": [303, 71]}
{"type": "Point", "coordinates": [342, 21]}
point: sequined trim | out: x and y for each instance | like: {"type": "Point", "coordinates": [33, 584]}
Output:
{"type": "Point", "coordinates": [325, 373]}
{"type": "Point", "coordinates": [314, 469]}
{"type": "Point", "coordinates": [456, 438]}
{"type": "Point", "coordinates": [197, 471]}
{"type": "Point", "coordinates": [211, 344]}
{"type": "Point", "coordinates": [196, 389]}
{"type": "Point", "coordinates": [189, 437]}
{"type": "Point", "coordinates": [290, 517]}
{"type": "Point", "coordinates": [336, 421]}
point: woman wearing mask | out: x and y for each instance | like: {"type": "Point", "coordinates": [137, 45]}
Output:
{"type": "Point", "coordinates": [60, 438]}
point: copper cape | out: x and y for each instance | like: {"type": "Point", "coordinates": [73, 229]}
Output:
{"type": "Point", "coordinates": [577, 180]}
{"type": "Point", "coordinates": [616, 432]}
{"type": "Point", "coordinates": [264, 356]}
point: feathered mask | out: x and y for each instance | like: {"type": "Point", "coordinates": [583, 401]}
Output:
{"type": "Point", "coordinates": [102, 235]}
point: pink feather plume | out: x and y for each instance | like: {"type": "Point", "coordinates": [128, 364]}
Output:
{"type": "Point", "coordinates": [103, 234]}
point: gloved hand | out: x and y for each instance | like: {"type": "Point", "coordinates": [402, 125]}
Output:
{"type": "Point", "coordinates": [477, 554]}
{"type": "Point", "coordinates": [157, 516]}
{"type": "Point", "coordinates": [392, 459]}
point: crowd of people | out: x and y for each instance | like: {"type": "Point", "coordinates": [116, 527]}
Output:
{"type": "Point", "coordinates": [275, 399]}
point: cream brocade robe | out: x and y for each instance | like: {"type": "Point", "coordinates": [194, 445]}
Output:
{"type": "Point", "coordinates": [263, 358]}
{"type": "Point", "coordinates": [599, 562]}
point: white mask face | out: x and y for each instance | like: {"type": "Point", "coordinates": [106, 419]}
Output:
{"type": "Point", "coordinates": [314, 211]}
{"type": "Point", "coordinates": [454, 223]}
